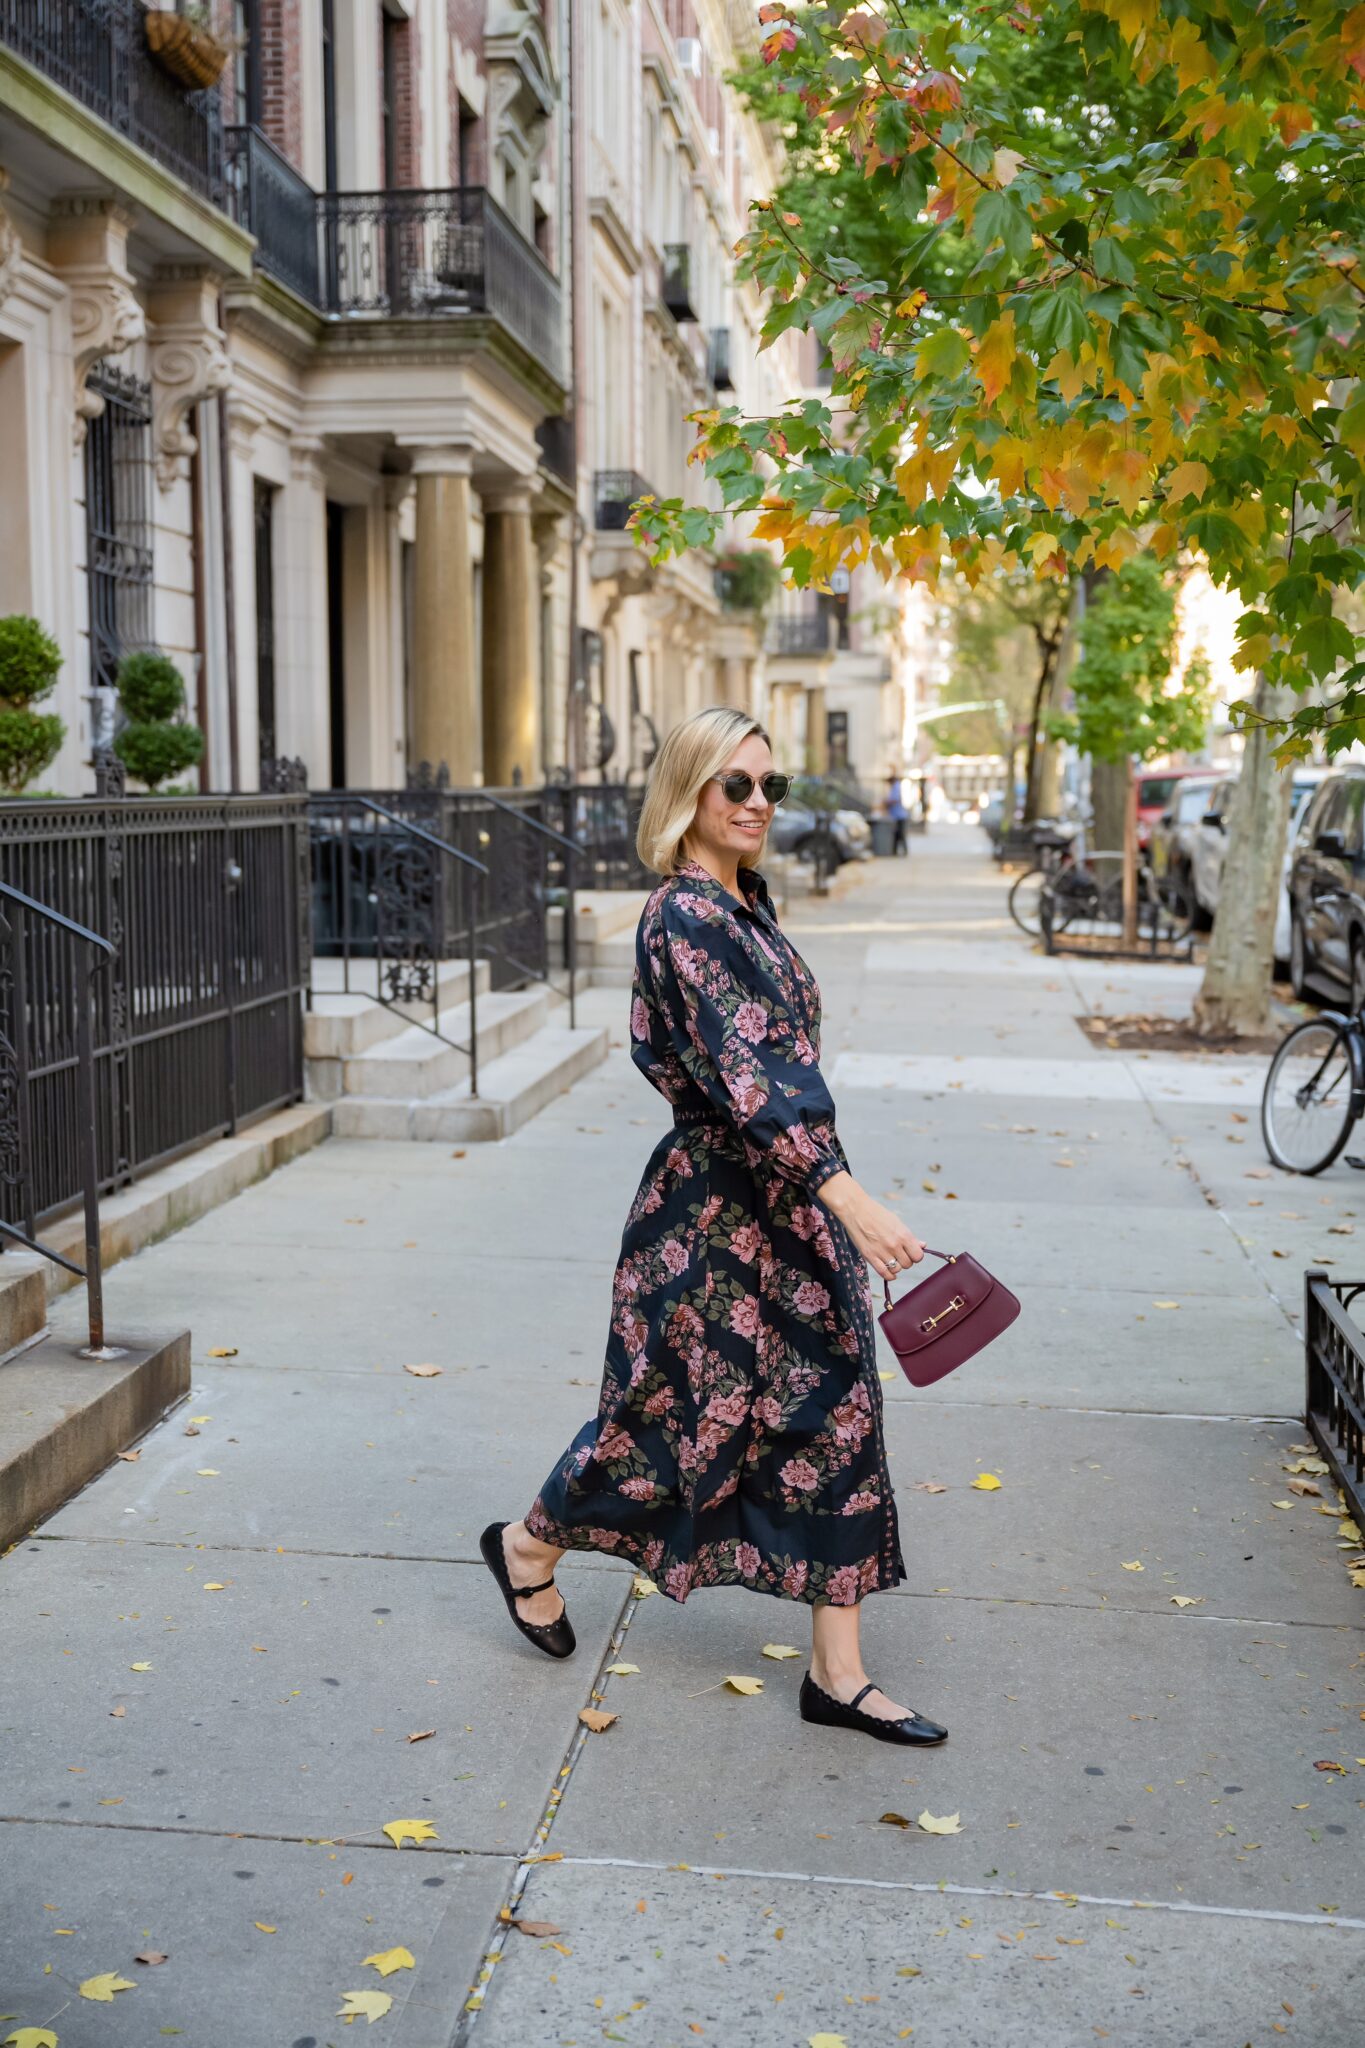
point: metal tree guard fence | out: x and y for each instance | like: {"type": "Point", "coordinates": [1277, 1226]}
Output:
{"type": "Point", "coordinates": [197, 1023]}
{"type": "Point", "coordinates": [1334, 1396]}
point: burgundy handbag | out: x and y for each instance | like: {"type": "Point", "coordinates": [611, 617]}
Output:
{"type": "Point", "coordinates": [947, 1319]}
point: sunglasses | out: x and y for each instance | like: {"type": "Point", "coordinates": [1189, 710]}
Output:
{"type": "Point", "coordinates": [739, 787]}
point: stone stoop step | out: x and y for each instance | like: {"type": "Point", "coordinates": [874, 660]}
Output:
{"type": "Point", "coordinates": [512, 1089]}
{"type": "Point", "coordinates": [63, 1418]}
{"type": "Point", "coordinates": [413, 1061]}
{"type": "Point", "coordinates": [340, 1026]}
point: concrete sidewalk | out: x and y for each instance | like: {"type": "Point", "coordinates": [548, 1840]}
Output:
{"type": "Point", "coordinates": [216, 1656]}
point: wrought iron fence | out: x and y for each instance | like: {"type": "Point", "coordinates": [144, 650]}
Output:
{"type": "Point", "coordinates": [437, 253]}
{"type": "Point", "coordinates": [802, 633]}
{"type": "Point", "coordinates": [675, 280]}
{"type": "Point", "coordinates": [197, 1023]}
{"type": "Point", "coordinates": [602, 819]}
{"type": "Point", "coordinates": [267, 197]}
{"type": "Point", "coordinates": [97, 51]}
{"type": "Point", "coordinates": [614, 492]}
{"type": "Point", "coordinates": [1334, 1358]}
{"type": "Point", "coordinates": [494, 829]}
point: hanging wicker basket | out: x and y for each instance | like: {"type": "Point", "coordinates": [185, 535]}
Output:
{"type": "Point", "coordinates": [194, 56]}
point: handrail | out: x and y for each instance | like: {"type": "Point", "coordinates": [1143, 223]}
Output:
{"type": "Point", "coordinates": [345, 796]}
{"type": "Point", "coordinates": [79, 931]}
{"type": "Point", "coordinates": [342, 799]}
{"type": "Point", "coordinates": [92, 1271]}
{"type": "Point", "coordinates": [571, 849]}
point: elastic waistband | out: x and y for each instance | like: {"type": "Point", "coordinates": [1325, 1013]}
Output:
{"type": "Point", "coordinates": [691, 1118]}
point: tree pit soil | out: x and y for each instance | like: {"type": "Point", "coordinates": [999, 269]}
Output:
{"type": "Point", "coordinates": [1135, 1033]}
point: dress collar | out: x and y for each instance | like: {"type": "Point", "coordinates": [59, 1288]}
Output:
{"type": "Point", "coordinates": [755, 890]}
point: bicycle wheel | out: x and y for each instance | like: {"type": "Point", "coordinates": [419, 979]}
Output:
{"type": "Point", "coordinates": [1309, 1103]}
{"type": "Point", "coordinates": [1024, 899]}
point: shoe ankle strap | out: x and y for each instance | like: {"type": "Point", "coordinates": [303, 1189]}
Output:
{"type": "Point", "coordinates": [543, 1587]}
{"type": "Point", "coordinates": [859, 1697]}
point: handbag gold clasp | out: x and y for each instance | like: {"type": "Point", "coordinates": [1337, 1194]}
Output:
{"type": "Point", "coordinates": [932, 1322]}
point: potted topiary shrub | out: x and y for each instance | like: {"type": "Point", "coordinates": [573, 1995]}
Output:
{"type": "Point", "coordinates": [29, 740]}
{"type": "Point", "coordinates": [184, 42]}
{"type": "Point", "coordinates": [156, 743]}
{"type": "Point", "coordinates": [747, 579]}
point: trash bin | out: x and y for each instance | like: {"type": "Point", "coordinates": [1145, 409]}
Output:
{"type": "Point", "coordinates": [883, 835]}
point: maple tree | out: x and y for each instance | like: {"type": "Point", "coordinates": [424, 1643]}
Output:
{"type": "Point", "coordinates": [1153, 341]}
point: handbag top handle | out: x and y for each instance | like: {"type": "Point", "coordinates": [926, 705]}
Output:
{"type": "Point", "coordinates": [948, 1258]}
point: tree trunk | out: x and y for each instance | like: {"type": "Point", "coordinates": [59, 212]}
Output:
{"type": "Point", "coordinates": [1234, 1000]}
{"type": "Point", "coordinates": [1109, 802]}
{"type": "Point", "coordinates": [1048, 645]}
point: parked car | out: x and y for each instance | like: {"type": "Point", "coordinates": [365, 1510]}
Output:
{"type": "Point", "coordinates": [793, 831]}
{"type": "Point", "coordinates": [1154, 795]}
{"type": "Point", "coordinates": [1170, 849]}
{"type": "Point", "coordinates": [1327, 891]}
{"type": "Point", "coordinates": [1209, 850]}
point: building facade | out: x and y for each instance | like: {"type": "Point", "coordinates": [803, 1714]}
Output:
{"type": "Point", "coordinates": [335, 378]}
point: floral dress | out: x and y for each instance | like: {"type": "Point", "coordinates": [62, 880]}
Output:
{"type": "Point", "coordinates": [738, 1437]}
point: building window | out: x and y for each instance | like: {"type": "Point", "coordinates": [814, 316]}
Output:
{"type": "Point", "coordinates": [247, 65]}
{"type": "Point", "coordinates": [265, 619]}
{"type": "Point", "coordinates": [118, 531]}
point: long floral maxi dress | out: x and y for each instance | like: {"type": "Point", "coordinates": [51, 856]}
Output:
{"type": "Point", "coordinates": [738, 1437]}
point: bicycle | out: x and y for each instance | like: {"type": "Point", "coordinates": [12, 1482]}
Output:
{"type": "Point", "coordinates": [1026, 889]}
{"type": "Point", "coordinates": [1314, 1092]}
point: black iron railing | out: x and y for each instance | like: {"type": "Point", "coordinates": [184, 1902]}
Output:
{"type": "Point", "coordinates": [97, 51]}
{"type": "Point", "coordinates": [119, 559]}
{"type": "Point", "coordinates": [439, 254]}
{"type": "Point", "coordinates": [558, 449]}
{"type": "Point", "coordinates": [389, 889]}
{"type": "Point", "coordinates": [614, 492]}
{"type": "Point", "coordinates": [267, 197]}
{"type": "Point", "coordinates": [807, 633]}
{"type": "Point", "coordinates": [85, 952]}
{"type": "Point", "coordinates": [675, 280]}
{"type": "Point", "coordinates": [197, 1025]}
{"type": "Point", "coordinates": [1334, 1358]}
{"type": "Point", "coordinates": [602, 819]}
{"type": "Point", "coordinates": [718, 359]}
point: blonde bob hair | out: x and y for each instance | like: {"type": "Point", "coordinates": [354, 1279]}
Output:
{"type": "Point", "coordinates": [692, 753]}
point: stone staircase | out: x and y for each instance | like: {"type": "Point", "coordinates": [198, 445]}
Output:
{"type": "Point", "coordinates": [387, 1076]}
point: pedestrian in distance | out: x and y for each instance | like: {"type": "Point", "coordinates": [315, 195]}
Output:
{"type": "Point", "coordinates": [898, 814]}
{"type": "Point", "coordinates": [738, 1439]}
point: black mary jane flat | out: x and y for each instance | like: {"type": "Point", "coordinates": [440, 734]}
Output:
{"type": "Point", "coordinates": [556, 1638]}
{"type": "Point", "coordinates": [821, 1707]}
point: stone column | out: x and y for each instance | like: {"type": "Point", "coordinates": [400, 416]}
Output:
{"type": "Point", "coordinates": [511, 695]}
{"type": "Point", "coordinates": [444, 699]}
{"type": "Point", "coordinates": [817, 747]}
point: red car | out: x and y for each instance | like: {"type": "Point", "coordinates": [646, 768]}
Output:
{"type": "Point", "coordinates": [1154, 793]}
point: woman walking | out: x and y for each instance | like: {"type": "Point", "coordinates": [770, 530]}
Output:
{"type": "Point", "coordinates": [738, 1437]}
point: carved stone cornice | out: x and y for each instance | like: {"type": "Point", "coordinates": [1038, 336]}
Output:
{"type": "Point", "coordinates": [189, 361]}
{"type": "Point", "coordinates": [88, 247]}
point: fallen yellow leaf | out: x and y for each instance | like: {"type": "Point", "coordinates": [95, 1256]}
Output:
{"type": "Point", "coordinates": [940, 1824]}
{"type": "Point", "coordinates": [100, 1990]}
{"type": "Point", "coordinates": [596, 1719]}
{"type": "Point", "coordinates": [400, 1831]}
{"type": "Point", "coordinates": [207, 1472]}
{"type": "Point", "coordinates": [1348, 1531]}
{"type": "Point", "coordinates": [1165, 1304]}
{"type": "Point", "coordinates": [422, 1735]}
{"type": "Point", "coordinates": [780, 1650]}
{"type": "Point", "coordinates": [643, 1587]}
{"type": "Point", "coordinates": [826, 2041]}
{"type": "Point", "coordinates": [213, 1586]}
{"type": "Point", "coordinates": [139, 1667]}
{"type": "Point", "coordinates": [623, 1670]}
{"type": "Point", "coordinates": [31, 2037]}
{"type": "Point", "coordinates": [424, 1372]}
{"type": "Point", "coordinates": [1135, 1566]}
{"type": "Point", "coordinates": [390, 1959]}
{"type": "Point", "coordinates": [1282, 1503]}
{"type": "Point", "coordinates": [986, 1482]}
{"type": "Point", "coordinates": [223, 1351]}
{"type": "Point", "coordinates": [265, 1927]}
{"type": "Point", "coordinates": [1186, 1600]}
{"type": "Point", "coordinates": [745, 1685]}
{"type": "Point", "coordinates": [365, 2005]}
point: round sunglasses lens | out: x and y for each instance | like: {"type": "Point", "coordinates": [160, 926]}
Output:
{"type": "Point", "coordinates": [775, 788]}
{"type": "Point", "coordinates": [738, 787]}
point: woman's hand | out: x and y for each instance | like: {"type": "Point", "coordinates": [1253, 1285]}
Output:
{"type": "Point", "coordinates": [879, 1235]}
